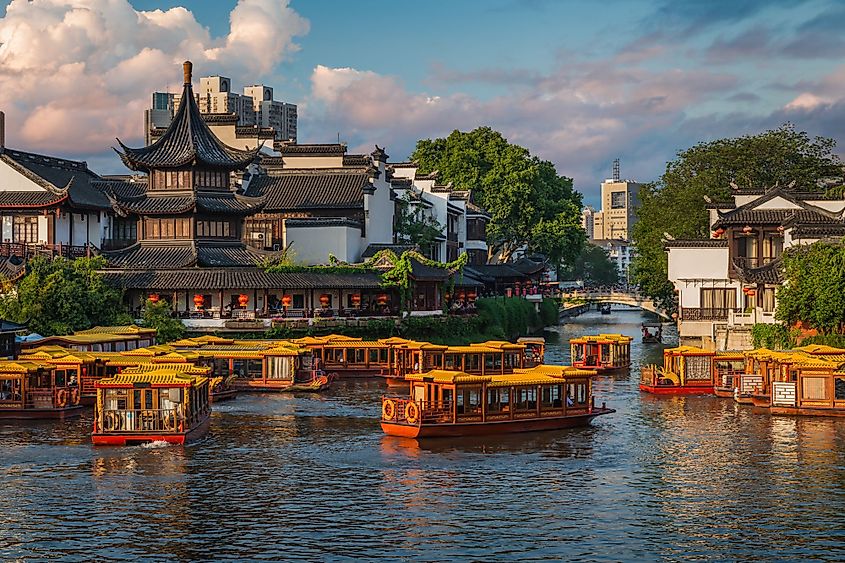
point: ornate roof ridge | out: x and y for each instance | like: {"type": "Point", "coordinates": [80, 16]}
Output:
{"type": "Point", "coordinates": [188, 140]}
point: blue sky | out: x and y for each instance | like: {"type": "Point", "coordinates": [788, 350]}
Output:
{"type": "Point", "coordinates": [578, 83]}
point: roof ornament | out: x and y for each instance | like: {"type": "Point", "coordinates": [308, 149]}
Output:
{"type": "Point", "coordinates": [734, 186]}
{"type": "Point", "coordinates": [187, 68]}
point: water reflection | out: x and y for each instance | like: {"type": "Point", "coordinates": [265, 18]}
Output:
{"type": "Point", "coordinates": [312, 477]}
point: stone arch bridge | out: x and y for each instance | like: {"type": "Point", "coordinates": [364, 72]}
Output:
{"type": "Point", "coordinates": [579, 298]}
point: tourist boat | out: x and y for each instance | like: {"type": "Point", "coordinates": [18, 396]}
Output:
{"type": "Point", "coordinates": [603, 352]}
{"type": "Point", "coordinates": [355, 358]}
{"type": "Point", "coordinates": [100, 339]}
{"type": "Point", "coordinates": [82, 367]}
{"type": "Point", "coordinates": [163, 405]}
{"type": "Point", "coordinates": [652, 333]}
{"type": "Point", "coordinates": [728, 367]}
{"type": "Point", "coordinates": [604, 308]}
{"type": "Point", "coordinates": [813, 386]}
{"type": "Point", "coordinates": [686, 370]}
{"type": "Point", "coordinates": [535, 350]}
{"type": "Point", "coordinates": [30, 389]}
{"type": "Point", "coordinates": [220, 388]}
{"type": "Point", "coordinates": [493, 357]}
{"type": "Point", "coordinates": [454, 403]}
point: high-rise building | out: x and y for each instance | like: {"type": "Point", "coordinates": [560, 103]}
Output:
{"type": "Point", "coordinates": [588, 221]}
{"type": "Point", "coordinates": [280, 116]}
{"type": "Point", "coordinates": [619, 201]}
{"type": "Point", "coordinates": [254, 108]}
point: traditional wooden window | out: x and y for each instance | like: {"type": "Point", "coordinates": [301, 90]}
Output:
{"type": "Point", "coordinates": [25, 229]}
{"type": "Point", "coordinates": [298, 301]}
{"type": "Point", "coordinates": [814, 388]}
{"type": "Point", "coordinates": [124, 229]}
{"type": "Point", "coordinates": [718, 298]}
{"type": "Point", "coordinates": [551, 396]}
{"type": "Point", "coordinates": [473, 362]}
{"type": "Point", "coordinates": [576, 394]}
{"type": "Point", "coordinates": [468, 400]}
{"type": "Point", "coordinates": [525, 398]}
{"type": "Point", "coordinates": [498, 400]}
{"type": "Point", "coordinates": [373, 355]}
{"type": "Point", "coordinates": [839, 388]}
{"type": "Point", "coordinates": [214, 229]}
{"type": "Point", "coordinates": [452, 362]}
{"type": "Point", "coordinates": [183, 228]}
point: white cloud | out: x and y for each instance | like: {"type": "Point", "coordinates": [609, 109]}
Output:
{"type": "Point", "coordinates": [76, 73]}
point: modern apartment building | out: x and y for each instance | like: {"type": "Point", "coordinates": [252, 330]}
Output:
{"type": "Point", "coordinates": [619, 201]}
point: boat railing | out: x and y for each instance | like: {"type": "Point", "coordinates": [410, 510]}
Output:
{"type": "Point", "coordinates": [50, 397]}
{"type": "Point", "coordinates": [142, 420]}
{"type": "Point", "coordinates": [427, 411]}
{"type": "Point", "coordinates": [648, 374]}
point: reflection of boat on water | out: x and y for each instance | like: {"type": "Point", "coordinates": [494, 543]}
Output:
{"type": "Point", "coordinates": [155, 406]}
{"type": "Point", "coordinates": [319, 382]}
{"type": "Point", "coordinates": [452, 403]}
{"type": "Point", "coordinates": [604, 308]}
{"type": "Point", "coordinates": [652, 333]}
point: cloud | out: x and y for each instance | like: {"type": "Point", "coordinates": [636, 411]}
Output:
{"type": "Point", "coordinates": [578, 116]}
{"type": "Point", "coordinates": [76, 73]}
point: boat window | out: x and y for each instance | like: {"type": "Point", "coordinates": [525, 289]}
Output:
{"type": "Point", "coordinates": [498, 400]}
{"type": "Point", "coordinates": [577, 394]}
{"type": "Point", "coordinates": [60, 378]}
{"type": "Point", "coordinates": [579, 352]}
{"type": "Point", "coordinates": [10, 390]}
{"type": "Point", "coordinates": [451, 362]}
{"type": "Point", "coordinates": [511, 360]}
{"type": "Point", "coordinates": [239, 367]}
{"type": "Point", "coordinates": [254, 368]}
{"type": "Point", "coordinates": [221, 366]}
{"type": "Point", "coordinates": [525, 398]}
{"type": "Point", "coordinates": [468, 400]}
{"type": "Point", "coordinates": [447, 397]}
{"type": "Point", "coordinates": [372, 355]}
{"type": "Point", "coordinates": [839, 389]}
{"type": "Point", "coordinates": [698, 367]}
{"type": "Point", "coordinates": [383, 355]}
{"type": "Point", "coordinates": [605, 353]}
{"type": "Point", "coordinates": [473, 362]}
{"type": "Point", "coordinates": [551, 396]}
{"type": "Point", "coordinates": [431, 361]}
{"type": "Point", "coordinates": [489, 362]}
{"type": "Point", "coordinates": [357, 355]}
{"type": "Point", "coordinates": [813, 388]}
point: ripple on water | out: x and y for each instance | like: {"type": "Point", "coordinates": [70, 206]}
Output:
{"type": "Point", "coordinates": [311, 477]}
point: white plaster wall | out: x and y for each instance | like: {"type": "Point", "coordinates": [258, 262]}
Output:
{"type": "Point", "coordinates": [312, 161]}
{"type": "Point", "coordinates": [42, 229]}
{"type": "Point", "coordinates": [62, 234]}
{"type": "Point", "coordinates": [13, 181]}
{"type": "Point", "coordinates": [698, 263]}
{"type": "Point", "coordinates": [7, 228]}
{"type": "Point", "coordinates": [379, 213]}
{"type": "Point", "coordinates": [835, 205]}
{"type": "Point", "coordinates": [405, 173]}
{"type": "Point", "coordinates": [777, 203]}
{"type": "Point", "coordinates": [80, 228]}
{"type": "Point", "coordinates": [312, 245]}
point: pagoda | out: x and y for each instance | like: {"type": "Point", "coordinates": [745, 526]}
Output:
{"type": "Point", "coordinates": [187, 213]}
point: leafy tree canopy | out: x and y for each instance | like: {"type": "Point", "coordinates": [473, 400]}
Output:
{"type": "Point", "coordinates": [531, 205]}
{"type": "Point", "coordinates": [594, 266]}
{"type": "Point", "coordinates": [413, 226]}
{"type": "Point", "coordinates": [675, 203]}
{"type": "Point", "coordinates": [158, 316]}
{"type": "Point", "coordinates": [61, 296]}
{"type": "Point", "coordinates": [814, 287]}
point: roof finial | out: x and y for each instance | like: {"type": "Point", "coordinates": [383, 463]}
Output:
{"type": "Point", "coordinates": [187, 66]}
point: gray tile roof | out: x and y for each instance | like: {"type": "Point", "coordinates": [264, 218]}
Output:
{"type": "Point", "coordinates": [226, 203]}
{"type": "Point", "coordinates": [286, 147]}
{"type": "Point", "coordinates": [238, 278]}
{"type": "Point", "coordinates": [31, 199]}
{"type": "Point", "coordinates": [377, 247]}
{"type": "Point", "coordinates": [701, 243]}
{"type": "Point", "coordinates": [187, 141]}
{"type": "Point", "coordinates": [303, 189]}
{"type": "Point", "coordinates": [58, 175]}
{"type": "Point", "coordinates": [323, 222]}
{"type": "Point", "coordinates": [175, 255]}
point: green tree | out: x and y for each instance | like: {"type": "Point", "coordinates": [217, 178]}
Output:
{"type": "Point", "coordinates": [414, 227]}
{"type": "Point", "coordinates": [813, 291]}
{"type": "Point", "coordinates": [675, 204]}
{"type": "Point", "coordinates": [59, 296]}
{"type": "Point", "coordinates": [158, 316]}
{"type": "Point", "coordinates": [593, 265]}
{"type": "Point", "coordinates": [530, 204]}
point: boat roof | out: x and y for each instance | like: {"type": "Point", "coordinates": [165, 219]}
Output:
{"type": "Point", "coordinates": [187, 368]}
{"type": "Point", "coordinates": [539, 375]}
{"type": "Point", "coordinates": [501, 345]}
{"type": "Point", "coordinates": [612, 338]}
{"type": "Point", "coordinates": [356, 344]}
{"type": "Point", "coordinates": [19, 367]}
{"type": "Point", "coordinates": [730, 355]}
{"type": "Point", "coordinates": [531, 340]}
{"type": "Point", "coordinates": [820, 349]}
{"type": "Point", "coordinates": [394, 340]}
{"type": "Point", "coordinates": [156, 378]}
{"type": "Point", "coordinates": [688, 351]}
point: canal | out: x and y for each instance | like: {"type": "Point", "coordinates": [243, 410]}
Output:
{"type": "Point", "coordinates": [312, 478]}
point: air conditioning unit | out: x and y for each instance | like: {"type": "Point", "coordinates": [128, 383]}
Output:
{"type": "Point", "coordinates": [258, 236]}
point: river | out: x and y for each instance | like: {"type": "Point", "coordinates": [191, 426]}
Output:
{"type": "Point", "coordinates": [312, 477]}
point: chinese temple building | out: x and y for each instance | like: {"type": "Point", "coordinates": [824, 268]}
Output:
{"type": "Point", "coordinates": [188, 220]}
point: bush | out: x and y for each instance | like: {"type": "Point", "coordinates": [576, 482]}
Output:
{"type": "Point", "coordinates": [158, 316]}
{"type": "Point", "coordinates": [508, 318]}
{"type": "Point", "coordinates": [549, 312]}
{"type": "Point", "coordinates": [772, 336]}
{"type": "Point", "coordinates": [835, 340]}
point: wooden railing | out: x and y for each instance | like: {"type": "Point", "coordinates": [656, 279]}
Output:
{"type": "Point", "coordinates": [142, 420]}
{"type": "Point", "coordinates": [707, 314]}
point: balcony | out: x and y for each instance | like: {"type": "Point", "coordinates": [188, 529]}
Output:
{"type": "Point", "coordinates": [753, 317]}
{"type": "Point", "coordinates": [707, 314]}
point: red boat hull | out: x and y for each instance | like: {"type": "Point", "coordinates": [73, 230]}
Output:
{"type": "Point", "coordinates": [127, 439]}
{"type": "Point", "coordinates": [485, 428]}
{"type": "Point", "coordinates": [676, 390]}
{"type": "Point", "coordinates": [43, 414]}
{"type": "Point", "coordinates": [723, 392]}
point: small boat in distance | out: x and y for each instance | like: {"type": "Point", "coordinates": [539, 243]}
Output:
{"type": "Point", "coordinates": [653, 333]}
{"type": "Point", "coordinates": [453, 403]}
{"type": "Point", "coordinates": [604, 308]}
{"type": "Point", "coordinates": [163, 405]}
{"type": "Point", "coordinates": [602, 352]}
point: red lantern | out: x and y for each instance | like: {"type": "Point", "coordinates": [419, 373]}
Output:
{"type": "Point", "coordinates": [154, 297]}
{"type": "Point", "coordinates": [324, 299]}
{"type": "Point", "coordinates": [751, 293]}
{"type": "Point", "coordinates": [461, 294]}
{"type": "Point", "coordinates": [243, 299]}
{"type": "Point", "coordinates": [199, 301]}
{"type": "Point", "coordinates": [356, 299]}
{"type": "Point", "coordinates": [447, 296]}
{"type": "Point", "coordinates": [746, 229]}
{"type": "Point", "coordinates": [780, 228]}
{"type": "Point", "coordinates": [382, 299]}
{"type": "Point", "coordinates": [718, 232]}
{"type": "Point", "coordinates": [286, 300]}
{"type": "Point", "coordinates": [471, 295]}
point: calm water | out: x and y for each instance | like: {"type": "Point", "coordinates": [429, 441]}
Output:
{"type": "Point", "coordinates": [313, 478]}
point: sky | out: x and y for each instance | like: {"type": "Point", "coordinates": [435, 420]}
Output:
{"type": "Point", "coordinates": [578, 83]}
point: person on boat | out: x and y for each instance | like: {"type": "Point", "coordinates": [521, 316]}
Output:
{"type": "Point", "coordinates": [569, 401]}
